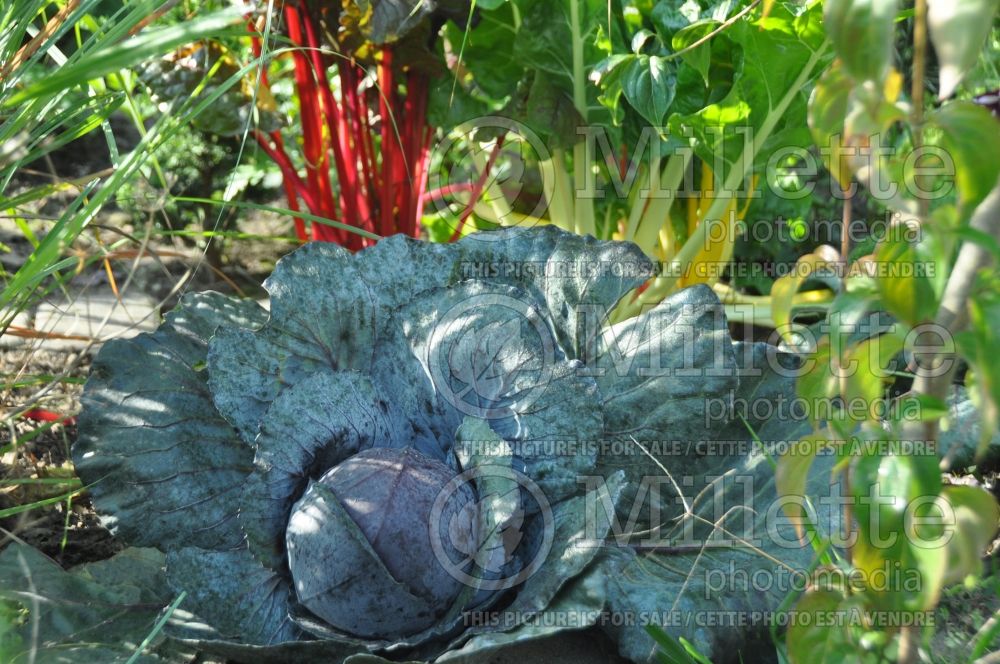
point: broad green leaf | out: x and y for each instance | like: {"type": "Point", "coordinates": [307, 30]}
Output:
{"type": "Point", "coordinates": [700, 57]}
{"type": "Point", "coordinates": [784, 289]}
{"type": "Point", "coordinates": [958, 29]}
{"type": "Point", "coordinates": [928, 559]}
{"type": "Point", "coordinates": [95, 613]}
{"type": "Point", "coordinates": [862, 34]}
{"type": "Point", "coordinates": [971, 135]}
{"type": "Point", "coordinates": [822, 639]}
{"type": "Point", "coordinates": [818, 382]}
{"type": "Point", "coordinates": [489, 41]}
{"type": "Point", "coordinates": [649, 84]}
{"type": "Point", "coordinates": [671, 17]}
{"type": "Point", "coordinates": [387, 20]}
{"type": "Point", "coordinates": [607, 76]}
{"type": "Point", "coordinates": [906, 288]}
{"type": "Point", "coordinates": [889, 489]}
{"type": "Point", "coordinates": [976, 519]}
{"type": "Point", "coordinates": [559, 39]}
{"type": "Point", "coordinates": [828, 108]}
{"type": "Point", "coordinates": [482, 451]}
{"type": "Point", "coordinates": [792, 473]}
{"type": "Point", "coordinates": [865, 365]}
{"type": "Point", "coordinates": [550, 113]}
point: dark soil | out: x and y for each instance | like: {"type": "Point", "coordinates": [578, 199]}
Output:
{"type": "Point", "coordinates": [67, 530]}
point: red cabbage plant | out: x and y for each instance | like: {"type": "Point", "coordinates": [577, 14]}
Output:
{"type": "Point", "coordinates": [426, 452]}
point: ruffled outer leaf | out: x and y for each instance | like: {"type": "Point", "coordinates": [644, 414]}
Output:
{"type": "Point", "coordinates": [239, 598]}
{"type": "Point", "coordinates": [164, 468]}
{"type": "Point", "coordinates": [95, 614]}
{"type": "Point", "coordinates": [667, 380]}
{"type": "Point", "coordinates": [489, 354]}
{"type": "Point", "coordinates": [577, 606]}
{"type": "Point", "coordinates": [735, 553]}
{"type": "Point", "coordinates": [579, 278]}
{"type": "Point", "coordinates": [658, 371]}
{"type": "Point", "coordinates": [328, 308]}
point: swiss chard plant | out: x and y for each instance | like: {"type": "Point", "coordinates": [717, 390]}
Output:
{"type": "Point", "coordinates": [651, 122]}
{"type": "Point", "coordinates": [337, 95]}
{"type": "Point", "coordinates": [365, 135]}
{"type": "Point", "coordinates": [424, 452]}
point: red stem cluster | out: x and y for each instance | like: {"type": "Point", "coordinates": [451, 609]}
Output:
{"type": "Point", "coordinates": [379, 183]}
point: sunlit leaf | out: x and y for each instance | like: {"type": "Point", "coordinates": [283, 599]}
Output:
{"type": "Point", "coordinates": [699, 57]}
{"type": "Point", "coordinates": [862, 34]}
{"type": "Point", "coordinates": [971, 135]}
{"type": "Point", "coordinates": [784, 289]}
{"type": "Point", "coordinates": [828, 108]}
{"type": "Point", "coordinates": [866, 364]}
{"type": "Point", "coordinates": [976, 518]}
{"type": "Point", "coordinates": [821, 639]}
{"type": "Point", "coordinates": [791, 474]}
{"type": "Point", "coordinates": [905, 286]}
{"type": "Point", "coordinates": [958, 30]}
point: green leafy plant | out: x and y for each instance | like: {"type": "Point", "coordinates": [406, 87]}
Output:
{"type": "Point", "coordinates": [627, 101]}
{"type": "Point", "coordinates": [931, 274]}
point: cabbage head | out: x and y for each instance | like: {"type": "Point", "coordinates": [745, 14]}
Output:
{"type": "Point", "coordinates": [430, 453]}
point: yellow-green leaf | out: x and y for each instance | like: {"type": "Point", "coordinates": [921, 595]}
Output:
{"type": "Point", "coordinates": [905, 285]}
{"type": "Point", "coordinates": [784, 289]}
{"type": "Point", "coordinates": [828, 108]}
{"type": "Point", "coordinates": [865, 366]}
{"type": "Point", "coordinates": [862, 34]}
{"type": "Point", "coordinates": [976, 517]}
{"type": "Point", "coordinates": [790, 477]}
